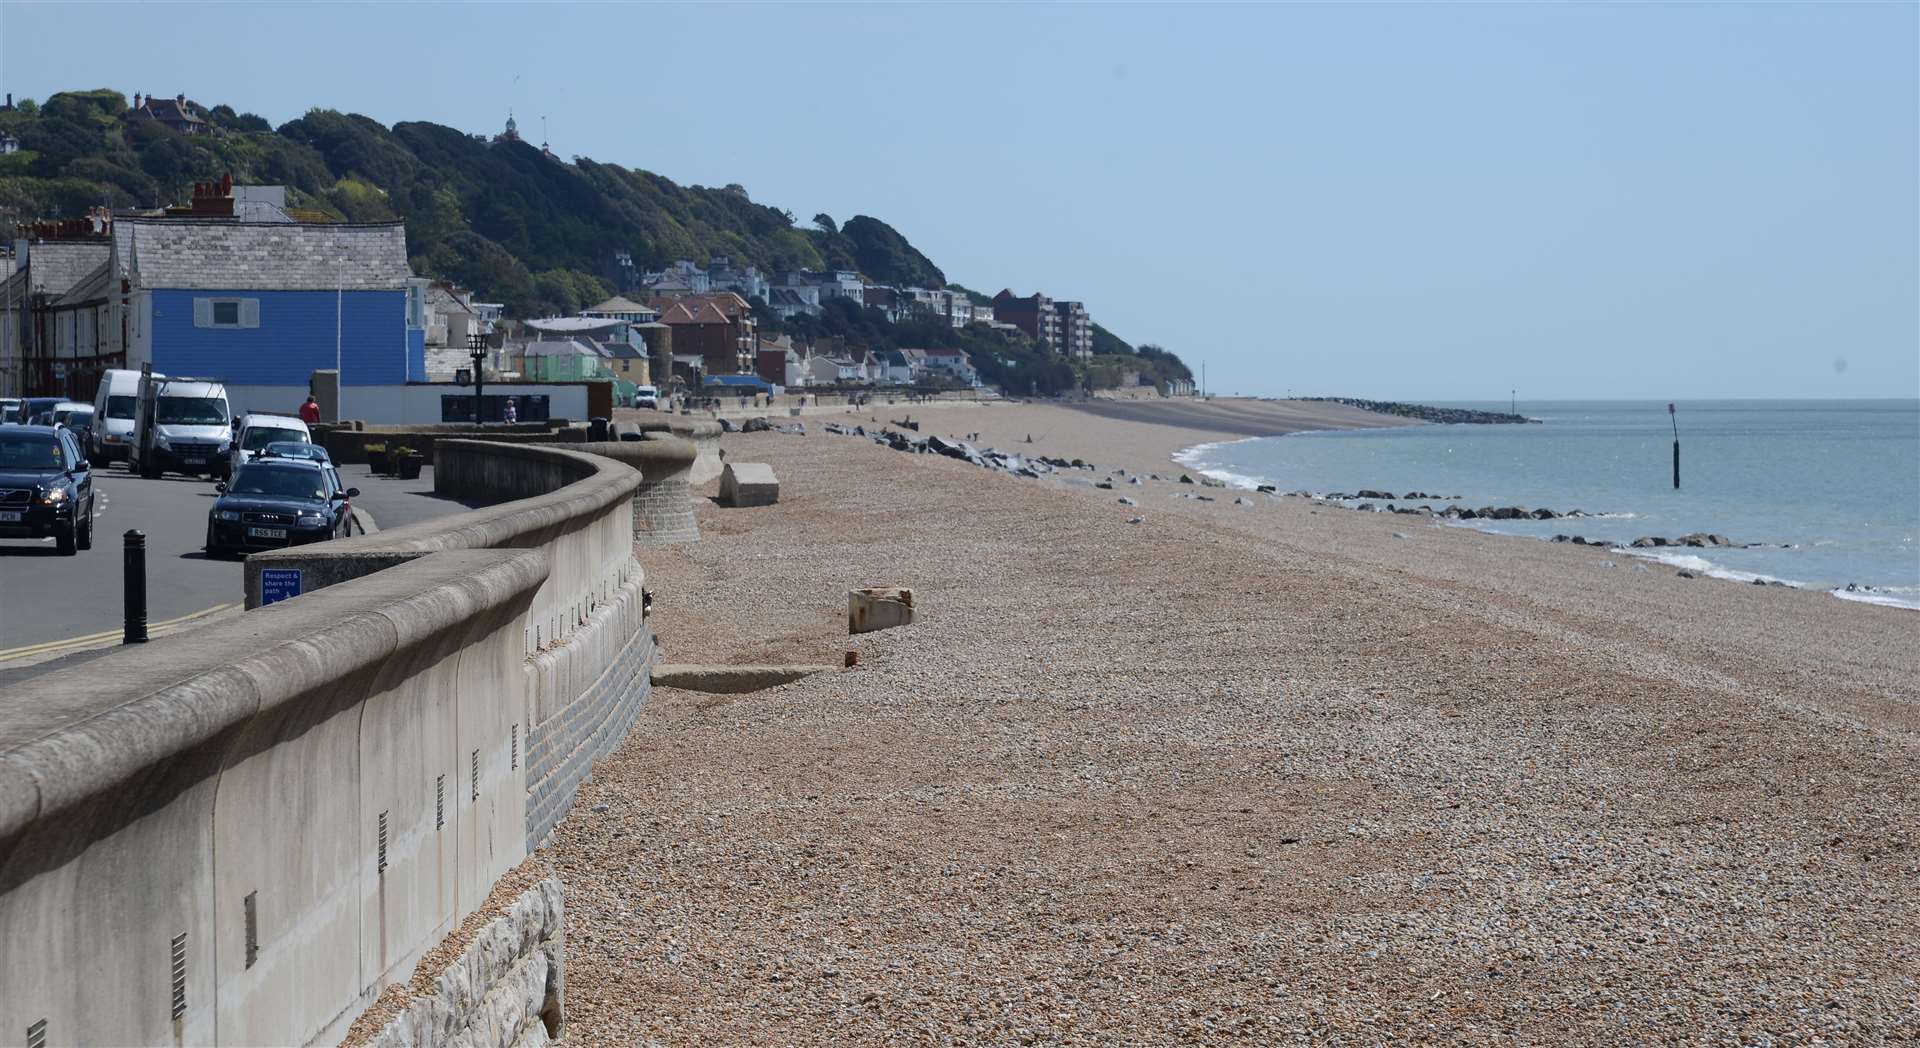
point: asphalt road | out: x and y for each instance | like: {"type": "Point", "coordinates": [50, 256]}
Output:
{"type": "Point", "coordinates": [45, 597]}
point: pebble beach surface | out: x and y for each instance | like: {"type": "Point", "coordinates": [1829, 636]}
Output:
{"type": "Point", "coordinates": [1235, 774]}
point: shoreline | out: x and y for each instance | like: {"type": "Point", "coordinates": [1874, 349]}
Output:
{"type": "Point", "coordinates": [1690, 559]}
{"type": "Point", "coordinates": [1231, 774]}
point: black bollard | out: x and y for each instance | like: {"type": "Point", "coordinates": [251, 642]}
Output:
{"type": "Point", "coordinates": [134, 564]}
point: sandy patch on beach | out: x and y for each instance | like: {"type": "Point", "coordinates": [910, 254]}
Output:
{"type": "Point", "coordinates": [1256, 774]}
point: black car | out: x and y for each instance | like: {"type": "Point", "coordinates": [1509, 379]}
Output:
{"type": "Point", "coordinates": [276, 503]}
{"type": "Point", "coordinates": [46, 488]}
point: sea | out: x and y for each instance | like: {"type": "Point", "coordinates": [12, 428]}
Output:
{"type": "Point", "coordinates": [1820, 494]}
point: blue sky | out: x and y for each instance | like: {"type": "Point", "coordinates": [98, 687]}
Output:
{"type": "Point", "coordinates": [1415, 201]}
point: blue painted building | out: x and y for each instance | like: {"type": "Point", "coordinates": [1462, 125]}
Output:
{"type": "Point", "coordinates": [265, 304]}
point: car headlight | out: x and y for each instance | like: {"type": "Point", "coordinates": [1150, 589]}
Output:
{"type": "Point", "coordinates": [160, 440]}
{"type": "Point", "coordinates": [54, 497]}
{"type": "Point", "coordinates": [226, 514]}
{"type": "Point", "coordinates": [311, 520]}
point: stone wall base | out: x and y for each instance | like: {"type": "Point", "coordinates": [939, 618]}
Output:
{"type": "Point", "coordinates": [505, 990]}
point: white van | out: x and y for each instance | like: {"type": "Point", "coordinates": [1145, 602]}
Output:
{"type": "Point", "coordinates": [257, 431]}
{"type": "Point", "coordinates": [646, 397]}
{"type": "Point", "coordinates": [180, 425]}
{"type": "Point", "coordinates": [113, 410]}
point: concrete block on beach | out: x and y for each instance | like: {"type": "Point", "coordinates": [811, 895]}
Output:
{"type": "Point", "coordinates": [878, 609]}
{"type": "Point", "coordinates": [749, 484]}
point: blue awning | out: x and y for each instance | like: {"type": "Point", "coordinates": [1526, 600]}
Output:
{"type": "Point", "coordinates": [743, 381]}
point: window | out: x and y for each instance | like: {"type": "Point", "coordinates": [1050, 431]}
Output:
{"type": "Point", "coordinates": [226, 312]}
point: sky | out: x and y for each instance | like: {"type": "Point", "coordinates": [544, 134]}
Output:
{"type": "Point", "coordinates": [1420, 201]}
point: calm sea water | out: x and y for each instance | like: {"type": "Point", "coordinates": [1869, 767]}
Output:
{"type": "Point", "coordinates": [1831, 488]}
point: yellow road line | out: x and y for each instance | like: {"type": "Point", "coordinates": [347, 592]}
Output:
{"type": "Point", "coordinates": [91, 639]}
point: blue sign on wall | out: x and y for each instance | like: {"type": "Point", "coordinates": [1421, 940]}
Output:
{"type": "Point", "coordinates": [277, 584]}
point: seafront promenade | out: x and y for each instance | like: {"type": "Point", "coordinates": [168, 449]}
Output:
{"type": "Point", "coordinates": [1266, 773]}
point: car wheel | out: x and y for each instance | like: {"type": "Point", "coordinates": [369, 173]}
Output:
{"type": "Point", "coordinates": [212, 551]}
{"type": "Point", "coordinates": [63, 540]}
{"type": "Point", "coordinates": [85, 539]}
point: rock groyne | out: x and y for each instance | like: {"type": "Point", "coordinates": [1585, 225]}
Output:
{"type": "Point", "coordinates": [1426, 413]}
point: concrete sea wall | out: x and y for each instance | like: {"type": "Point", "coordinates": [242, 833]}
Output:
{"type": "Point", "coordinates": [239, 834]}
{"type": "Point", "coordinates": [705, 438]}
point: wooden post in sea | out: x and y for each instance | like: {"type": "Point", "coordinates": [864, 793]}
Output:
{"type": "Point", "coordinates": [1676, 446]}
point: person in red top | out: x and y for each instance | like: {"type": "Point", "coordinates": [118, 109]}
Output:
{"type": "Point", "coordinates": [310, 411]}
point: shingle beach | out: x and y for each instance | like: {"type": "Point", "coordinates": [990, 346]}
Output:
{"type": "Point", "coordinates": [1235, 774]}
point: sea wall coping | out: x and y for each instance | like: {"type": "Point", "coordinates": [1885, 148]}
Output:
{"type": "Point", "coordinates": [71, 736]}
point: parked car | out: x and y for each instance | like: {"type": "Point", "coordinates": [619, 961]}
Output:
{"type": "Point", "coordinates": [296, 449]}
{"type": "Point", "coordinates": [79, 421]}
{"type": "Point", "coordinates": [9, 409]}
{"type": "Point", "coordinates": [58, 413]}
{"type": "Point", "coordinates": [113, 411]}
{"type": "Point", "coordinates": [46, 487]}
{"type": "Point", "coordinates": [293, 449]}
{"type": "Point", "coordinates": [257, 431]}
{"type": "Point", "coordinates": [272, 503]}
{"type": "Point", "coordinates": [33, 406]}
{"type": "Point", "coordinates": [646, 397]}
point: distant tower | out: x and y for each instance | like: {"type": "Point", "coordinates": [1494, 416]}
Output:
{"type": "Point", "coordinates": [512, 134]}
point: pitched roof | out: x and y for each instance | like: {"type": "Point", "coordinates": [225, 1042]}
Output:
{"type": "Point", "coordinates": [223, 254]}
{"type": "Point", "coordinates": [559, 348]}
{"type": "Point", "coordinates": [94, 286]}
{"type": "Point", "coordinates": [441, 299]}
{"type": "Point", "coordinates": [167, 109]}
{"type": "Point", "coordinates": [572, 325]}
{"type": "Point", "coordinates": [55, 266]}
{"type": "Point", "coordinates": [620, 304]}
{"type": "Point", "coordinates": [693, 311]}
{"type": "Point", "coordinates": [619, 350]}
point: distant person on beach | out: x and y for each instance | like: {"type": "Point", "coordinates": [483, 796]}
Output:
{"type": "Point", "coordinates": [512, 413]}
{"type": "Point", "coordinates": [310, 411]}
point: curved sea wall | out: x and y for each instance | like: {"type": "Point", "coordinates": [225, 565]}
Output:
{"type": "Point", "coordinates": [705, 438]}
{"type": "Point", "coordinates": [663, 504]}
{"type": "Point", "coordinates": [240, 833]}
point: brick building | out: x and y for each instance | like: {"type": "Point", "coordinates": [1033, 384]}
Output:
{"type": "Point", "coordinates": [1075, 329]}
{"type": "Point", "coordinates": [719, 328]}
{"type": "Point", "coordinates": [1033, 314]}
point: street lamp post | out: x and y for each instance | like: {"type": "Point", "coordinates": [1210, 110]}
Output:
{"type": "Point", "coordinates": [477, 349]}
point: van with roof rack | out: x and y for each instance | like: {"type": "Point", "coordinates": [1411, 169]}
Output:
{"type": "Point", "coordinates": [180, 425]}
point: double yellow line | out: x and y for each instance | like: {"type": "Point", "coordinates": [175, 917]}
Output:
{"type": "Point", "coordinates": [95, 640]}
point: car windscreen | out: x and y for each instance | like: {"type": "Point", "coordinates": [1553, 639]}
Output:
{"type": "Point", "coordinates": [120, 407]}
{"type": "Point", "coordinates": [297, 449]}
{"type": "Point", "coordinates": [253, 438]}
{"type": "Point", "coordinates": [279, 481]}
{"type": "Point", "coordinates": [190, 411]}
{"type": "Point", "coordinates": [31, 453]}
{"type": "Point", "coordinates": [78, 418]}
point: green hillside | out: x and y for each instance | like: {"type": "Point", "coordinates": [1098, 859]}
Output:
{"type": "Point", "coordinates": [517, 225]}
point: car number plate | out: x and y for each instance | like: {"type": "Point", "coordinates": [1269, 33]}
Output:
{"type": "Point", "coordinates": [195, 461]}
{"type": "Point", "coordinates": [9, 516]}
{"type": "Point", "coordinates": [266, 533]}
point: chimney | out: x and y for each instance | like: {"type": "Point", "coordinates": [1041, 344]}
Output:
{"type": "Point", "coordinates": [136, 100]}
{"type": "Point", "coordinates": [181, 99]}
